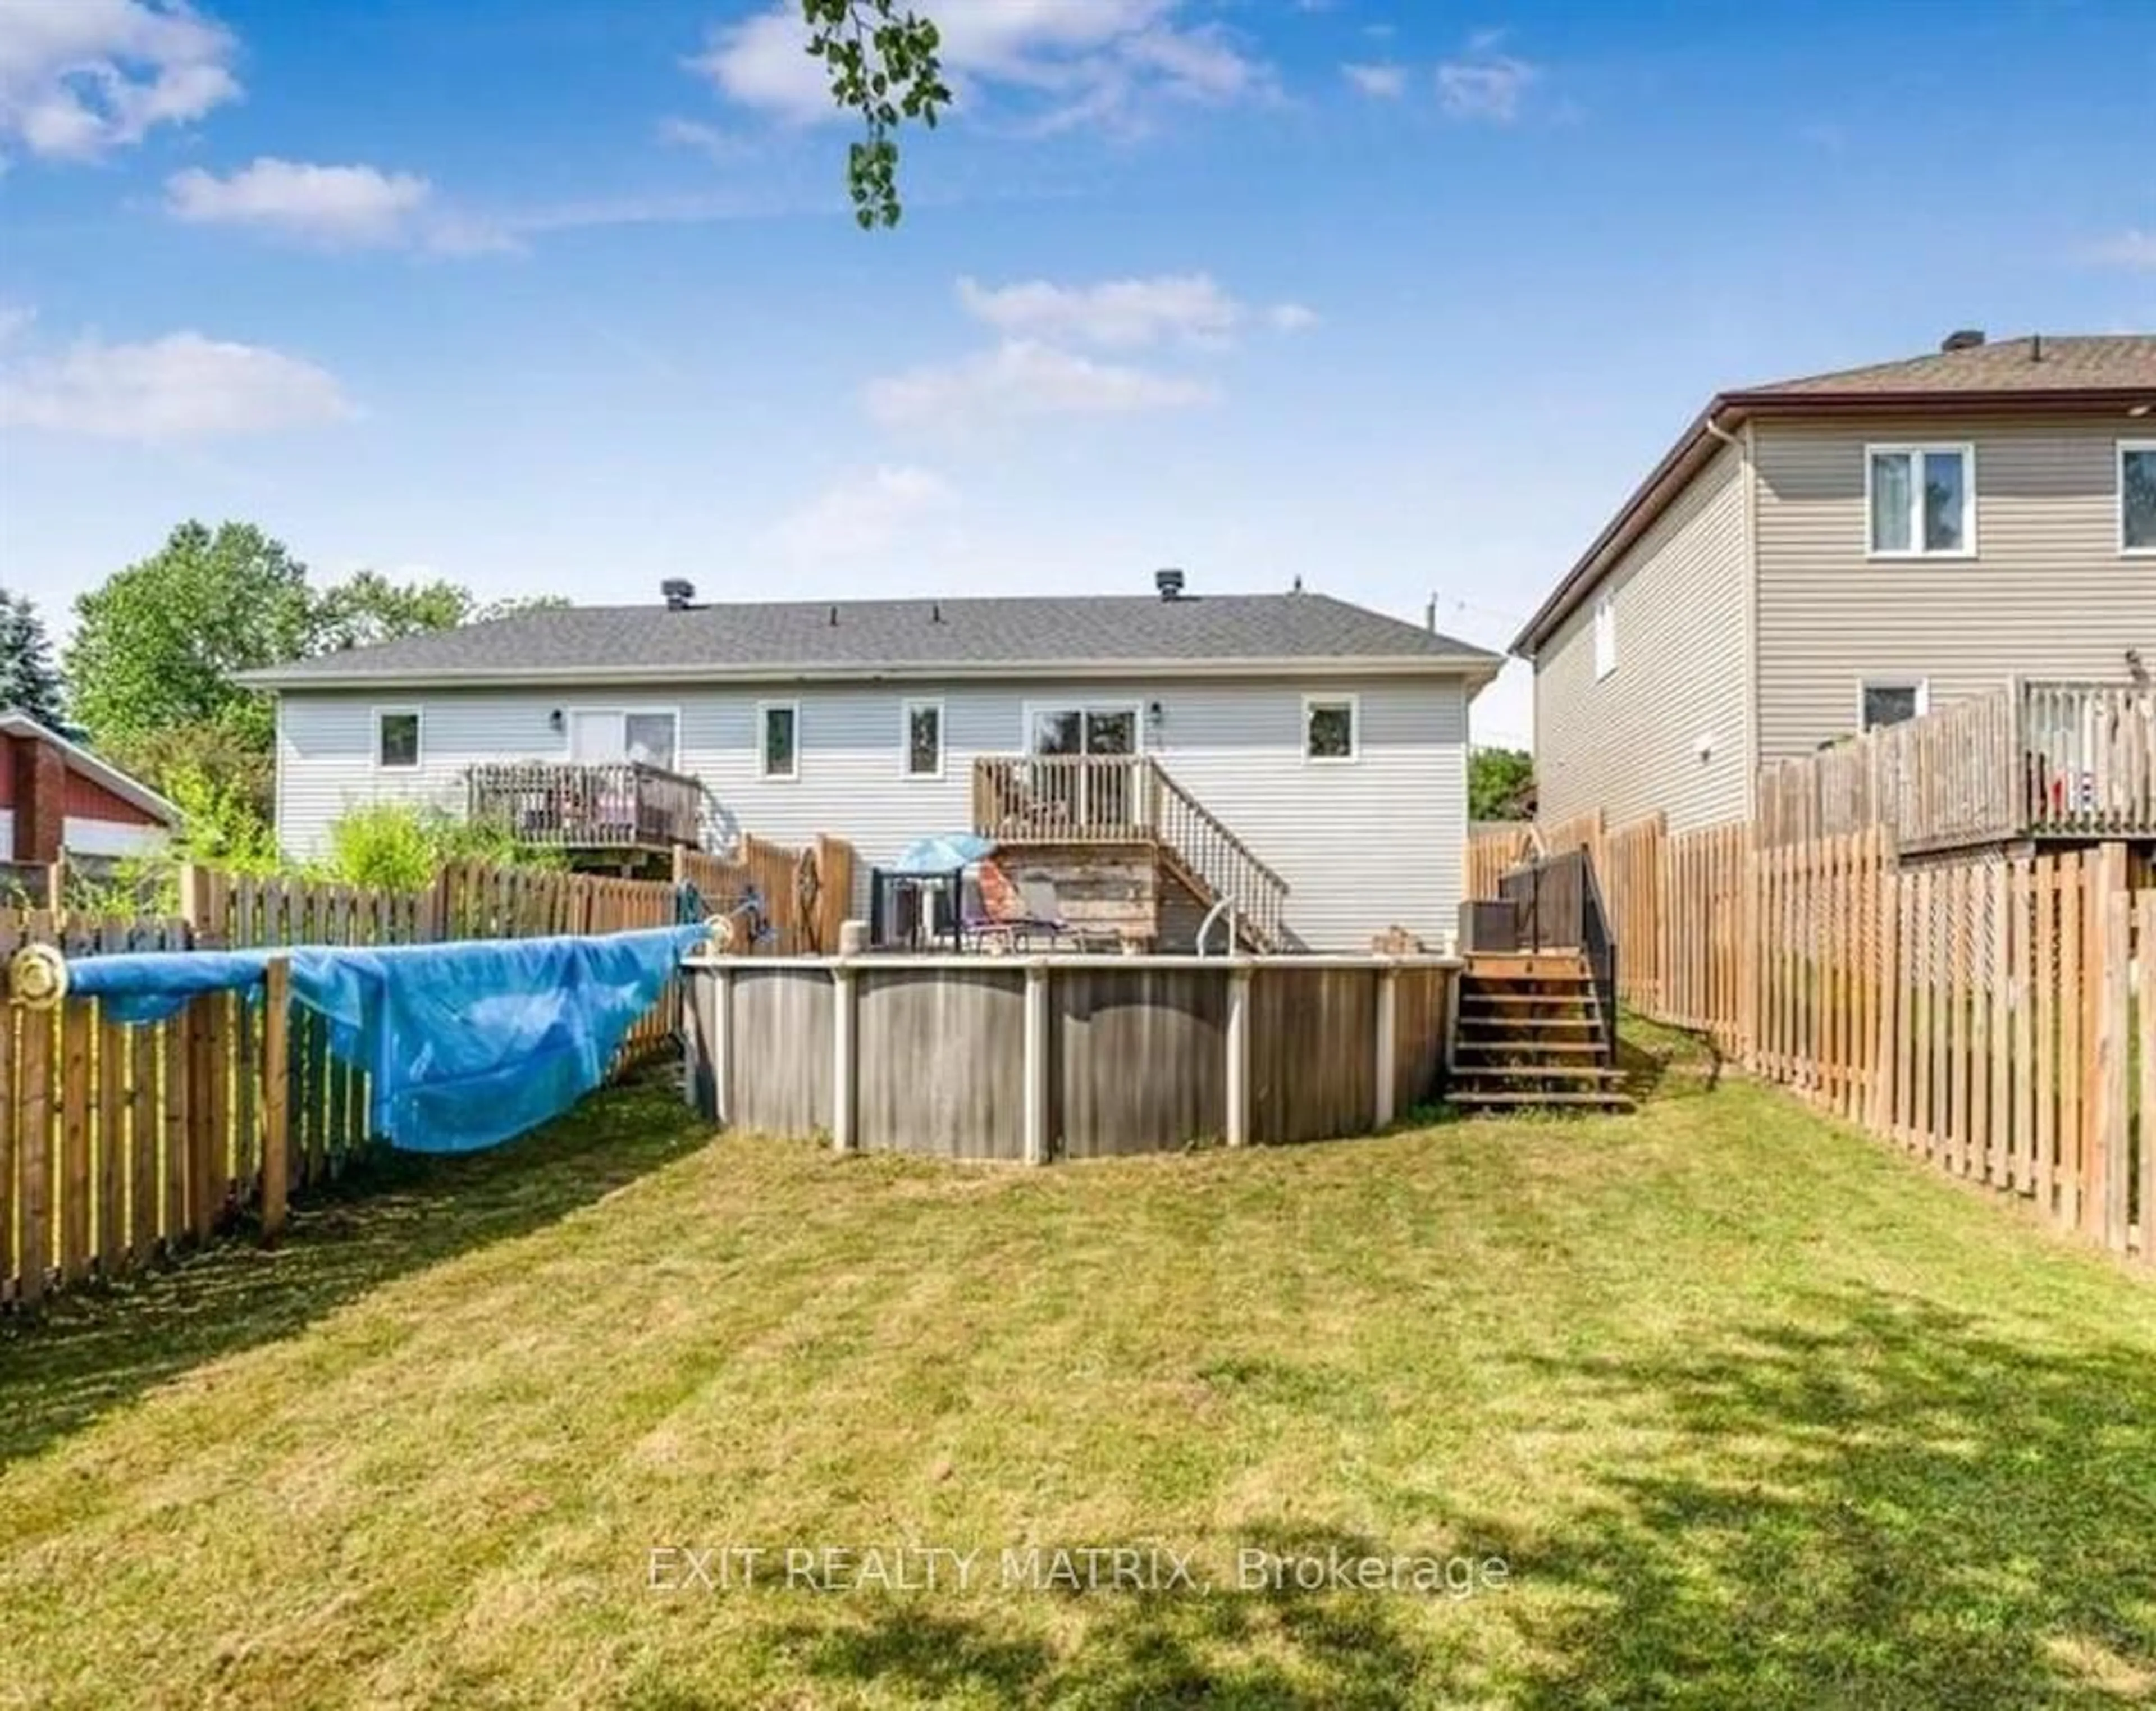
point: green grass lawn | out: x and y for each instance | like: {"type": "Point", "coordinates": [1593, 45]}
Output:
{"type": "Point", "coordinates": [1753, 1412]}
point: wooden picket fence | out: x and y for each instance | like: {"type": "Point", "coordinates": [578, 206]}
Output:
{"type": "Point", "coordinates": [805, 894]}
{"type": "Point", "coordinates": [1494, 848]}
{"type": "Point", "coordinates": [122, 1145]}
{"type": "Point", "coordinates": [1995, 1015]}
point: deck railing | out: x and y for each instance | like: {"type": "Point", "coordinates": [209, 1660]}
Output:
{"type": "Point", "coordinates": [1559, 905]}
{"type": "Point", "coordinates": [1125, 798]}
{"type": "Point", "coordinates": [614, 805]}
{"type": "Point", "coordinates": [2037, 760]}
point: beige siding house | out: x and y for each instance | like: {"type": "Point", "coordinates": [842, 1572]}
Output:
{"type": "Point", "coordinates": [1820, 556]}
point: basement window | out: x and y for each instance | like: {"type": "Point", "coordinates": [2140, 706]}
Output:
{"type": "Point", "coordinates": [397, 738]}
{"type": "Point", "coordinates": [1922, 501]}
{"type": "Point", "coordinates": [1329, 728]}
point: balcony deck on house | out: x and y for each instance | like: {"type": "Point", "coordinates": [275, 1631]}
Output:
{"type": "Point", "coordinates": [2040, 761]}
{"type": "Point", "coordinates": [619, 807]}
{"type": "Point", "coordinates": [1104, 802]}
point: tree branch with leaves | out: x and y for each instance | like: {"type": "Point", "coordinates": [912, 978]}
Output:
{"type": "Point", "coordinates": [884, 64]}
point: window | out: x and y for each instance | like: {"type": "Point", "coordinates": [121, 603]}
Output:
{"type": "Point", "coordinates": [2137, 495]}
{"type": "Point", "coordinates": [604, 736]}
{"type": "Point", "coordinates": [778, 739]}
{"type": "Point", "coordinates": [397, 738]}
{"type": "Point", "coordinates": [923, 733]}
{"type": "Point", "coordinates": [1328, 727]}
{"type": "Point", "coordinates": [1922, 501]}
{"type": "Point", "coordinates": [1893, 701]}
{"type": "Point", "coordinates": [1605, 636]}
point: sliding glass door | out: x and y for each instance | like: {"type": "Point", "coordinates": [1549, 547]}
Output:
{"type": "Point", "coordinates": [1100, 798]}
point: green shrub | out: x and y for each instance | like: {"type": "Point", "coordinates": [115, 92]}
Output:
{"type": "Point", "coordinates": [397, 846]}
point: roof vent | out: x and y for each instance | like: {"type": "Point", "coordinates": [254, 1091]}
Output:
{"type": "Point", "coordinates": [1169, 582]}
{"type": "Point", "coordinates": [679, 595]}
{"type": "Point", "coordinates": [1965, 338]}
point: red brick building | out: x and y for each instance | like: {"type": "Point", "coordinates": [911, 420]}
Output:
{"type": "Point", "coordinates": [57, 797]}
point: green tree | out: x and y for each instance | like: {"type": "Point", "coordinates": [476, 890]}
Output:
{"type": "Point", "coordinates": [157, 646]}
{"type": "Point", "coordinates": [367, 608]}
{"type": "Point", "coordinates": [29, 678]}
{"type": "Point", "coordinates": [1500, 784]}
{"type": "Point", "coordinates": [884, 65]}
{"type": "Point", "coordinates": [228, 755]}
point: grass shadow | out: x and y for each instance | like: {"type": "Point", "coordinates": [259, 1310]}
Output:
{"type": "Point", "coordinates": [391, 1214]}
{"type": "Point", "coordinates": [1897, 1507]}
{"type": "Point", "coordinates": [1662, 1063]}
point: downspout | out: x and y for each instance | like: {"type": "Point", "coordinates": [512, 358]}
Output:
{"type": "Point", "coordinates": [1748, 552]}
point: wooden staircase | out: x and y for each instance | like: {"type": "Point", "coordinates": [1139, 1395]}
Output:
{"type": "Point", "coordinates": [1530, 1033]}
{"type": "Point", "coordinates": [1064, 799]}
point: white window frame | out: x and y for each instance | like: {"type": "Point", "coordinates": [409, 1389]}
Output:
{"type": "Point", "coordinates": [2148, 447]}
{"type": "Point", "coordinates": [907, 709]}
{"type": "Point", "coordinates": [1604, 623]}
{"type": "Point", "coordinates": [1865, 685]}
{"type": "Point", "coordinates": [1029, 711]}
{"type": "Point", "coordinates": [1353, 703]}
{"type": "Point", "coordinates": [626, 711]}
{"type": "Point", "coordinates": [1918, 450]}
{"type": "Point", "coordinates": [764, 709]}
{"type": "Point", "coordinates": [418, 716]}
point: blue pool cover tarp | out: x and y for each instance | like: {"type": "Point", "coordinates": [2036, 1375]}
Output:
{"type": "Point", "coordinates": [465, 1044]}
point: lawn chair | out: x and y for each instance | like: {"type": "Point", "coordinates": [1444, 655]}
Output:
{"type": "Point", "coordinates": [998, 915]}
{"type": "Point", "coordinates": [1044, 908]}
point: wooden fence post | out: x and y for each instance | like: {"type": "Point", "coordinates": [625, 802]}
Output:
{"type": "Point", "coordinates": [1389, 1000]}
{"type": "Point", "coordinates": [36, 1118]}
{"type": "Point", "coordinates": [845, 1060]}
{"type": "Point", "coordinates": [2112, 992]}
{"type": "Point", "coordinates": [276, 1097]}
{"type": "Point", "coordinates": [1036, 1065]}
{"type": "Point", "coordinates": [1238, 1055]}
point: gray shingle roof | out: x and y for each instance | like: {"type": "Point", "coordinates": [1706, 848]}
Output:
{"type": "Point", "coordinates": [2103, 362]}
{"type": "Point", "coordinates": [865, 636]}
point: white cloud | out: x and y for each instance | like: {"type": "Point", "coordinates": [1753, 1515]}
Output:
{"type": "Point", "coordinates": [2132, 249]}
{"type": "Point", "coordinates": [353, 206]}
{"type": "Point", "coordinates": [1485, 83]}
{"type": "Point", "coordinates": [1025, 377]}
{"type": "Point", "coordinates": [722, 147]}
{"type": "Point", "coordinates": [1117, 313]}
{"type": "Point", "coordinates": [341, 207]}
{"type": "Point", "coordinates": [1384, 81]}
{"type": "Point", "coordinates": [856, 518]}
{"type": "Point", "coordinates": [1122, 314]}
{"type": "Point", "coordinates": [79, 77]}
{"type": "Point", "coordinates": [181, 386]}
{"type": "Point", "coordinates": [1068, 61]}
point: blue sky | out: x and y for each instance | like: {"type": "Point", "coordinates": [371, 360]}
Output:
{"type": "Point", "coordinates": [566, 297]}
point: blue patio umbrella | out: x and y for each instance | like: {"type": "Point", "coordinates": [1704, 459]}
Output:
{"type": "Point", "coordinates": [947, 852]}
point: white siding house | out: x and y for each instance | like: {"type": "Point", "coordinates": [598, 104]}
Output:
{"type": "Point", "coordinates": [1366, 839]}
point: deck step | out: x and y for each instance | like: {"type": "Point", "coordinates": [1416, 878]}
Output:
{"type": "Point", "coordinates": [1508, 1022]}
{"type": "Point", "coordinates": [1520, 1099]}
{"type": "Point", "coordinates": [1471, 1074]}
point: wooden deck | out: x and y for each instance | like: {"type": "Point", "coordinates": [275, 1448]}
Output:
{"type": "Point", "coordinates": [616, 807]}
{"type": "Point", "coordinates": [1069, 801]}
{"type": "Point", "coordinates": [2037, 762]}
